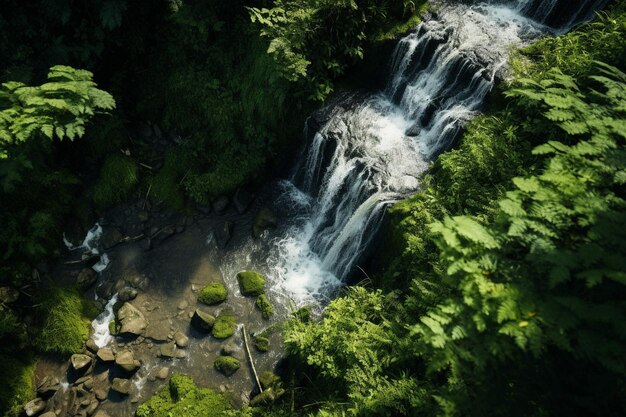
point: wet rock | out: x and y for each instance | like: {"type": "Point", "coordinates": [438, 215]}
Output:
{"type": "Point", "coordinates": [223, 233]}
{"type": "Point", "coordinates": [181, 339]}
{"type": "Point", "coordinates": [8, 295]}
{"type": "Point", "coordinates": [127, 294]}
{"type": "Point", "coordinates": [48, 387]}
{"type": "Point", "coordinates": [242, 200]}
{"type": "Point", "coordinates": [220, 204]}
{"type": "Point", "coordinates": [263, 221]}
{"type": "Point", "coordinates": [225, 324]}
{"type": "Point", "coordinates": [91, 345]}
{"type": "Point", "coordinates": [121, 385]}
{"type": "Point", "coordinates": [202, 321]}
{"type": "Point", "coordinates": [86, 278]}
{"type": "Point", "coordinates": [105, 290]}
{"type": "Point", "coordinates": [169, 351]}
{"type": "Point", "coordinates": [131, 320]}
{"type": "Point", "coordinates": [125, 359]}
{"type": "Point", "coordinates": [34, 407]}
{"type": "Point", "coordinates": [146, 244]}
{"type": "Point", "coordinates": [226, 365]}
{"type": "Point", "coordinates": [92, 407]}
{"type": "Point", "coordinates": [163, 373]}
{"type": "Point", "coordinates": [157, 332]}
{"type": "Point", "coordinates": [111, 237]}
{"type": "Point", "coordinates": [80, 361]}
{"type": "Point", "coordinates": [101, 394]}
{"type": "Point", "coordinates": [262, 344]}
{"type": "Point", "coordinates": [183, 305]}
{"type": "Point", "coordinates": [101, 413]}
{"type": "Point", "coordinates": [106, 355]}
{"type": "Point", "coordinates": [88, 384]}
{"type": "Point", "coordinates": [251, 283]}
{"type": "Point", "coordinates": [165, 233]}
{"type": "Point", "coordinates": [232, 349]}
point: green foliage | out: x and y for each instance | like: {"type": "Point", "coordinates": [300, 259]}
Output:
{"type": "Point", "coordinates": [58, 109]}
{"type": "Point", "coordinates": [264, 305]}
{"type": "Point", "coordinates": [251, 283]}
{"type": "Point", "coordinates": [17, 376]}
{"type": "Point", "coordinates": [212, 294]}
{"type": "Point", "coordinates": [118, 178]}
{"type": "Point", "coordinates": [66, 321]}
{"type": "Point", "coordinates": [226, 365]}
{"type": "Point", "coordinates": [313, 42]}
{"type": "Point", "coordinates": [181, 397]}
{"type": "Point", "coordinates": [261, 343]}
{"type": "Point", "coordinates": [225, 324]}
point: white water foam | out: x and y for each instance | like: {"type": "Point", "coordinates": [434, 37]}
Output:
{"type": "Point", "coordinates": [101, 334]}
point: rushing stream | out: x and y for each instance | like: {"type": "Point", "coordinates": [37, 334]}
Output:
{"type": "Point", "coordinates": [367, 151]}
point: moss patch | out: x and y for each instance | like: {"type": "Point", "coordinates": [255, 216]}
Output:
{"type": "Point", "coordinates": [227, 365]}
{"type": "Point", "coordinates": [181, 397]}
{"type": "Point", "coordinates": [225, 324]}
{"type": "Point", "coordinates": [265, 306]}
{"type": "Point", "coordinates": [17, 377]}
{"type": "Point", "coordinates": [251, 283]}
{"type": "Point", "coordinates": [262, 344]}
{"type": "Point", "coordinates": [212, 294]}
{"type": "Point", "coordinates": [66, 323]}
{"type": "Point", "coordinates": [118, 178]}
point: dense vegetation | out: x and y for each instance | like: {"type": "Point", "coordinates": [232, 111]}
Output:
{"type": "Point", "coordinates": [502, 292]}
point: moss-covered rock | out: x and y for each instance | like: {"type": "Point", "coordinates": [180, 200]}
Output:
{"type": "Point", "coordinates": [262, 344]}
{"type": "Point", "coordinates": [181, 397]}
{"type": "Point", "coordinates": [225, 324]}
{"type": "Point", "coordinates": [118, 178]}
{"type": "Point", "coordinates": [227, 365]}
{"type": "Point", "coordinates": [113, 327]}
{"type": "Point", "coordinates": [265, 306]}
{"type": "Point", "coordinates": [251, 283]}
{"type": "Point", "coordinates": [202, 321]}
{"type": "Point", "coordinates": [212, 294]}
{"type": "Point", "coordinates": [270, 380]}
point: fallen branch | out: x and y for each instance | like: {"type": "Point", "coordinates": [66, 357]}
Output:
{"type": "Point", "coordinates": [245, 342]}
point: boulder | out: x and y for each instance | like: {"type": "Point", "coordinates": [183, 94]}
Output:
{"type": "Point", "coordinates": [169, 350]}
{"type": "Point", "coordinates": [223, 233]}
{"type": "Point", "coordinates": [106, 355]}
{"type": "Point", "coordinates": [101, 394]}
{"type": "Point", "coordinates": [220, 204]}
{"type": "Point", "coordinates": [125, 359]}
{"type": "Point", "coordinates": [121, 385]}
{"type": "Point", "coordinates": [111, 237]}
{"type": "Point", "coordinates": [80, 361]}
{"type": "Point", "coordinates": [127, 294]}
{"type": "Point", "coordinates": [48, 387]}
{"type": "Point", "coordinates": [91, 345]}
{"type": "Point", "coordinates": [34, 407]}
{"type": "Point", "coordinates": [251, 283]}
{"type": "Point", "coordinates": [86, 278]}
{"type": "Point", "coordinates": [202, 321]}
{"type": "Point", "coordinates": [242, 200]}
{"type": "Point", "coordinates": [226, 365]}
{"type": "Point", "coordinates": [181, 339]}
{"type": "Point", "coordinates": [225, 324]}
{"type": "Point", "coordinates": [213, 293]}
{"type": "Point", "coordinates": [263, 221]}
{"type": "Point", "coordinates": [262, 344]}
{"type": "Point", "coordinates": [131, 320]}
{"type": "Point", "coordinates": [163, 373]}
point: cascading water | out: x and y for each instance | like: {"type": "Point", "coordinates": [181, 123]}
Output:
{"type": "Point", "coordinates": [367, 151]}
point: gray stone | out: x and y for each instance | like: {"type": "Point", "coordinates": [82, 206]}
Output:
{"type": "Point", "coordinates": [126, 360]}
{"type": "Point", "coordinates": [202, 321]}
{"type": "Point", "coordinates": [220, 204]}
{"type": "Point", "coordinates": [242, 200]}
{"type": "Point", "coordinates": [163, 373]}
{"type": "Point", "coordinates": [106, 355]}
{"type": "Point", "coordinates": [169, 350]}
{"type": "Point", "coordinates": [80, 361]}
{"type": "Point", "coordinates": [121, 385]}
{"type": "Point", "coordinates": [232, 349]}
{"type": "Point", "coordinates": [181, 339]}
{"type": "Point", "coordinates": [223, 233]}
{"type": "Point", "coordinates": [34, 407]}
{"type": "Point", "coordinates": [86, 278]}
{"type": "Point", "coordinates": [48, 386]}
{"type": "Point", "coordinates": [131, 320]}
{"type": "Point", "coordinates": [127, 294]}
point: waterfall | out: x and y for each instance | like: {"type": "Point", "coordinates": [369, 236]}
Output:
{"type": "Point", "coordinates": [367, 151]}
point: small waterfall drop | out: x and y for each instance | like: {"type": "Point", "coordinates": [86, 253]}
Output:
{"type": "Point", "coordinates": [367, 151]}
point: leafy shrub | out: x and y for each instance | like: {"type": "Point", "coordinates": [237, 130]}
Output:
{"type": "Point", "coordinates": [212, 294]}
{"type": "Point", "coordinates": [118, 178]}
{"type": "Point", "coordinates": [66, 321]}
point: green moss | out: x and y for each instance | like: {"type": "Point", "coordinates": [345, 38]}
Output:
{"type": "Point", "coordinates": [227, 365]}
{"type": "Point", "coordinates": [225, 324]}
{"type": "Point", "coordinates": [166, 185]}
{"type": "Point", "coordinates": [118, 178]}
{"type": "Point", "coordinates": [181, 397]}
{"type": "Point", "coordinates": [113, 327]}
{"type": "Point", "coordinates": [262, 344]}
{"type": "Point", "coordinates": [251, 283]}
{"type": "Point", "coordinates": [17, 377]}
{"type": "Point", "coordinates": [66, 321]}
{"type": "Point", "coordinates": [265, 306]}
{"type": "Point", "coordinates": [401, 28]}
{"type": "Point", "coordinates": [212, 294]}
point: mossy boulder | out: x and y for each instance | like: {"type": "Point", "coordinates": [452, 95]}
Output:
{"type": "Point", "coordinates": [202, 321]}
{"type": "Point", "coordinates": [212, 294]}
{"type": "Point", "coordinates": [265, 306]}
{"type": "Point", "coordinates": [181, 397]}
{"type": "Point", "coordinates": [227, 365]}
{"type": "Point", "coordinates": [118, 178]}
{"type": "Point", "coordinates": [251, 283]}
{"type": "Point", "coordinates": [262, 344]}
{"type": "Point", "coordinates": [225, 324]}
{"type": "Point", "coordinates": [272, 389]}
